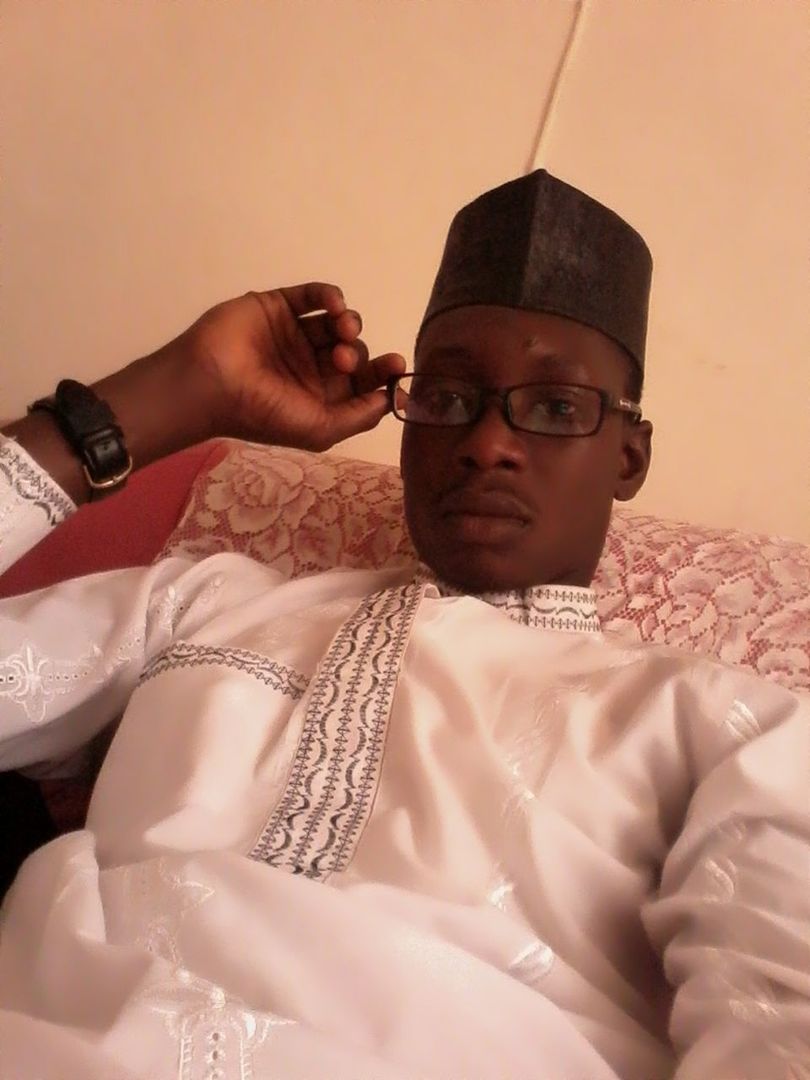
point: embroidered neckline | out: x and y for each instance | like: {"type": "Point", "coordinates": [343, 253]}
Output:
{"type": "Point", "coordinates": [547, 607]}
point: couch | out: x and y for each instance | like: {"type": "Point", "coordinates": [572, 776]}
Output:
{"type": "Point", "coordinates": [740, 598]}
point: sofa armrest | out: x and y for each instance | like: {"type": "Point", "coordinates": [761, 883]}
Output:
{"type": "Point", "coordinates": [126, 529]}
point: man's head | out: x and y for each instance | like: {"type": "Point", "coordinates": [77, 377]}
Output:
{"type": "Point", "coordinates": [538, 284]}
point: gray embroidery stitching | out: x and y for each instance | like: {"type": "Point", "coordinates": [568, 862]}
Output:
{"type": "Point", "coordinates": [315, 828]}
{"type": "Point", "coordinates": [185, 654]}
{"type": "Point", "coordinates": [546, 607]}
{"type": "Point", "coordinates": [31, 485]}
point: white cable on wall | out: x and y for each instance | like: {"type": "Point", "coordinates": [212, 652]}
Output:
{"type": "Point", "coordinates": [547, 116]}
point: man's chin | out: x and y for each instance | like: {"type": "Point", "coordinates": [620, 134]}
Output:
{"type": "Point", "coordinates": [489, 560]}
{"type": "Point", "coordinates": [481, 571]}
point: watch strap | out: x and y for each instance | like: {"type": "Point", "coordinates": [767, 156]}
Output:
{"type": "Point", "coordinates": [92, 430]}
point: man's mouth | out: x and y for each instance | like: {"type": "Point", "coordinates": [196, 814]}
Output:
{"type": "Point", "coordinates": [484, 517]}
{"type": "Point", "coordinates": [495, 504]}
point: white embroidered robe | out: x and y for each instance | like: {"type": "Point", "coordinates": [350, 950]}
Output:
{"type": "Point", "coordinates": [353, 827]}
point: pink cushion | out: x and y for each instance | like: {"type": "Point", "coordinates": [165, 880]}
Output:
{"type": "Point", "coordinates": [740, 598]}
{"type": "Point", "coordinates": [126, 529]}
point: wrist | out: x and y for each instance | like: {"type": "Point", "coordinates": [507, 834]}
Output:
{"type": "Point", "coordinates": [160, 404]}
{"type": "Point", "coordinates": [39, 436]}
{"type": "Point", "coordinates": [91, 430]}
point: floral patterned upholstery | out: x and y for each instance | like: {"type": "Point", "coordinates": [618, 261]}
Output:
{"type": "Point", "coordinates": [741, 598]}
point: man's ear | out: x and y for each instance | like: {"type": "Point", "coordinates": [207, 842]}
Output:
{"type": "Point", "coordinates": [635, 460]}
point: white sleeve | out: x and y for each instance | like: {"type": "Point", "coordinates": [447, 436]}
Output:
{"type": "Point", "coordinates": [732, 918]}
{"type": "Point", "coordinates": [71, 654]}
{"type": "Point", "coordinates": [31, 504]}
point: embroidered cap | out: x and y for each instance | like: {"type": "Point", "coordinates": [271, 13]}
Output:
{"type": "Point", "coordinates": [540, 244]}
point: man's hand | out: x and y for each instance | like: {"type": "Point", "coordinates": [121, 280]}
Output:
{"type": "Point", "coordinates": [287, 367]}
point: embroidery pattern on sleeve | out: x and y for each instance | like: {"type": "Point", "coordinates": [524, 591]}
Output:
{"type": "Point", "coordinates": [318, 822]}
{"type": "Point", "coordinates": [185, 654]}
{"type": "Point", "coordinates": [32, 680]}
{"type": "Point", "coordinates": [28, 484]}
{"type": "Point", "coordinates": [169, 605]}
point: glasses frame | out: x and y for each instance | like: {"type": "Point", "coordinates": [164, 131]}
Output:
{"type": "Point", "coordinates": [608, 403]}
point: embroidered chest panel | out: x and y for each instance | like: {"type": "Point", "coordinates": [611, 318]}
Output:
{"type": "Point", "coordinates": [327, 800]}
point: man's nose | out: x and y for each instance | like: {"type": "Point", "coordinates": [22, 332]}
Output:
{"type": "Point", "coordinates": [490, 442]}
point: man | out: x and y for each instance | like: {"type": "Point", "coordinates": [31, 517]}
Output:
{"type": "Point", "coordinates": [376, 825]}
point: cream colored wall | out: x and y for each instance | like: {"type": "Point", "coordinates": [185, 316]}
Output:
{"type": "Point", "coordinates": [160, 156]}
{"type": "Point", "coordinates": [703, 139]}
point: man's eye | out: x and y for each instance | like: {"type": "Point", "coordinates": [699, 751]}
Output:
{"type": "Point", "coordinates": [555, 408]}
{"type": "Point", "coordinates": [442, 402]}
{"type": "Point", "coordinates": [560, 407]}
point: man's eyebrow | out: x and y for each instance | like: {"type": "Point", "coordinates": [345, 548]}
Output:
{"type": "Point", "coordinates": [546, 359]}
{"type": "Point", "coordinates": [537, 351]}
{"type": "Point", "coordinates": [449, 352]}
{"type": "Point", "coordinates": [564, 370]}
{"type": "Point", "coordinates": [463, 352]}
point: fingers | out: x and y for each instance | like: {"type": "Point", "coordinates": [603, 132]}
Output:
{"type": "Point", "coordinates": [369, 406]}
{"type": "Point", "coordinates": [376, 373]}
{"type": "Point", "coordinates": [339, 336]}
{"type": "Point", "coordinates": [323, 330]}
{"type": "Point", "coordinates": [316, 308]}
{"type": "Point", "coordinates": [314, 296]}
{"type": "Point", "coordinates": [356, 415]}
{"type": "Point", "coordinates": [332, 330]}
{"type": "Point", "coordinates": [349, 359]}
{"type": "Point", "coordinates": [321, 312]}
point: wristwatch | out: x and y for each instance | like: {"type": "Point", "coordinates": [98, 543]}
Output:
{"type": "Point", "coordinates": [90, 427]}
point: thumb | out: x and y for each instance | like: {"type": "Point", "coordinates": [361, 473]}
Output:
{"type": "Point", "coordinates": [361, 413]}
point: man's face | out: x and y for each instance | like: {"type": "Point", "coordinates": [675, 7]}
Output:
{"type": "Point", "coordinates": [489, 507]}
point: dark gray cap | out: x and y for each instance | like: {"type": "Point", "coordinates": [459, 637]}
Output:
{"type": "Point", "coordinates": [539, 244]}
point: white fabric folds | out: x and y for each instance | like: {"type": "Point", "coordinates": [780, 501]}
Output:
{"type": "Point", "coordinates": [352, 827]}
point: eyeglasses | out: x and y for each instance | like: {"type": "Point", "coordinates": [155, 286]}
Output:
{"type": "Point", "coordinates": [540, 408]}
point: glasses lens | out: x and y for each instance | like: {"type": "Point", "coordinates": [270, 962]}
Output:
{"type": "Point", "coordinates": [547, 409]}
{"type": "Point", "coordinates": [435, 400]}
